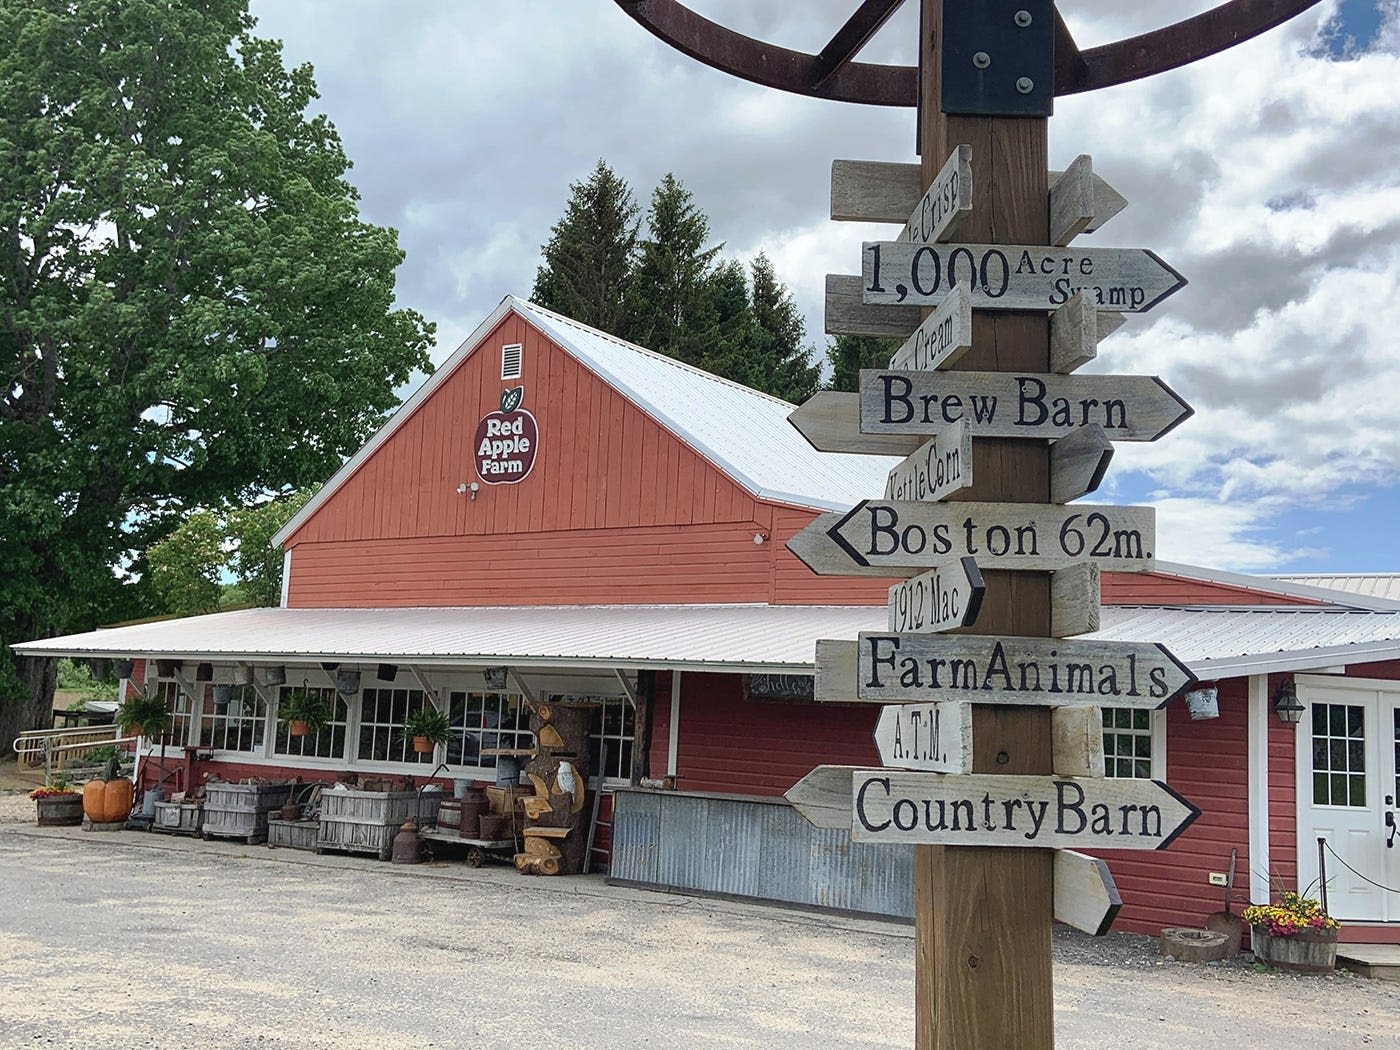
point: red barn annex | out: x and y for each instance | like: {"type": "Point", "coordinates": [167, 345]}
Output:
{"type": "Point", "coordinates": [558, 513]}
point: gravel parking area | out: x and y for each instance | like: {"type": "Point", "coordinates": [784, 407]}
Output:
{"type": "Point", "coordinates": [125, 940]}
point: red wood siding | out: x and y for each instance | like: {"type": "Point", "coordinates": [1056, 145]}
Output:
{"type": "Point", "coordinates": [1155, 588]}
{"type": "Point", "coordinates": [602, 463]}
{"type": "Point", "coordinates": [795, 584]}
{"type": "Point", "coordinates": [751, 747]}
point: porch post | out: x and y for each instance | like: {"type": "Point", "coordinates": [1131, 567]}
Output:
{"type": "Point", "coordinates": [1258, 753]}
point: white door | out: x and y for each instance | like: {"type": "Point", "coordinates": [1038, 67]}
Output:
{"type": "Point", "coordinates": [1349, 794]}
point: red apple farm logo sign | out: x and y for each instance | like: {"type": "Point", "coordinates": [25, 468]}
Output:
{"type": "Point", "coordinates": [506, 441]}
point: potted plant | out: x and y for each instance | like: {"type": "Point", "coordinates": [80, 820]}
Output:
{"type": "Point", "coordinates": [56, 804]}
{"type": "Point", "coordinates": [1294, 934]}
{"type": "Point", "coordinates": [303, 712]}
{"type": "Point", "coordinates": [142, 713]}
{"type": "Point", "coordinates": [428, 726]}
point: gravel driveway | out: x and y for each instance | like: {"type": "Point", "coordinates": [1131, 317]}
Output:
{"type": "Point", "coordinates": [134, 940]}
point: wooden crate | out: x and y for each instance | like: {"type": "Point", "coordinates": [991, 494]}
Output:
{"type": "Point", "coordinates": [240, 811]}
{"type": "Point", "coordinates": [178, 818]}
{"type": "Point", "coordinates": [292, 834]}
{"type": "Point", "coordinates": [367, 821]}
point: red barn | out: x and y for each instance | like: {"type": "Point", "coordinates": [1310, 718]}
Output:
{"type": "Point", "coordinates": [559, 513]}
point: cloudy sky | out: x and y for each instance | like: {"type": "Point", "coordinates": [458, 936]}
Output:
{"type": "Point", "coordinates": [1268, 175]}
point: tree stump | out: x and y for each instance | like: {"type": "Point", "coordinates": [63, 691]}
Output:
{"type": "Point", "coordinates": [556, 831]}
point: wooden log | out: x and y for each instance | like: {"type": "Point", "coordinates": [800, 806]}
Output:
{"type": "Point", "coordinates": [1075, 600]}
{"type": "Point", "coordinates": [1072, 201]}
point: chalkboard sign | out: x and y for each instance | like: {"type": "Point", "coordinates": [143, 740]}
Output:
{"type": "Point", "coordinates": [779, 686]}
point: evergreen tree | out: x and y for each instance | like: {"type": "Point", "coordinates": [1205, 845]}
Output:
{"type": "Point", "coordinates": [590, 256]}
{"type": "Point", "coordinates": [672, 309]}
{"type": "Point", "coordinates": [850, 353]}
{"type": "Point", "coordinates": [780, 364]}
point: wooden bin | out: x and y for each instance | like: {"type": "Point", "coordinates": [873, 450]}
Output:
{"type": "Point", "coordinates": [292, 834]}
{"type": "Point", "coordinates": [365, 821]}
{"type": "Point", "coordinates": [178, 818]}
{"type": "Point", "coordinates": [240, 811]}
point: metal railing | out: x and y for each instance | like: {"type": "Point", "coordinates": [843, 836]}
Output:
{"type": "Point", "coordinates": [55, 748]}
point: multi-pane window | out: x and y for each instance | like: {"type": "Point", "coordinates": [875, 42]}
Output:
{"type": "Point", "coordinates": [610, 743]}
{"type": "Point", "coordinates": [486, 720]}
{"type": "Point", "coordinates": [382, 716]}
{"type": "Point", "coordinates": [177, 706]}
{"type": "Point", "coordinates": [329, 742]}
{"type": "Point", "coordinates": [1127, 743]}
{"type": "Point", "coordinates": [1339, 754]}
{"type": "Point", "coordinates": [239, 726]}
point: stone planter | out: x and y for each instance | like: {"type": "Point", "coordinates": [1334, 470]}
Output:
{"type": "Point", "coordinates": [60, 811]}
{"type": "Point", "coordinates": [1309, 951]}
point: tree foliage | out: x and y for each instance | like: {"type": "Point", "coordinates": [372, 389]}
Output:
{"type": "Point", "coordinates": [670, 290]}
{"type": "Point", "coordinates": [848, 354]}
{"type": "Point", "coordinates": [191, 310]}
{"type": "Point", "coordinates": [185, 566]}
{"type": "Point", "coordinates": [589, 258]}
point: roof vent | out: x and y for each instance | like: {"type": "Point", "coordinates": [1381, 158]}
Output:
{"type": "Point", "coordinates": [511, 361]}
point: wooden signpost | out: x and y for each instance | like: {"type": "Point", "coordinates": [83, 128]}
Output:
{"type": "Point", "coordinates": [1051, 672]}
{"type": "Point", "coordinates": [1011, 404]}
{"type": "Point", "coordinates": [941, 599]}
{"type": "Point", "coordinates": [935, 738]}
{"type": "Point", "coordinates": [938, 468]}
{"type": "Point", "coordinates": [946, 203]}
{"type": "Point", "coordinates": [1016, 276]}
{"type": "Point", "coordinates": [890, 538]}
{"type": "Point", "coordinates": [941, 338]}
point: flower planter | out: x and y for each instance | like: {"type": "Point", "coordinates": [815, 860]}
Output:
{"type": "Point", "coordinates": [295, 728]}
{"type": "Point", "coordinates": [1307, 951]}
{"type": "Point", "coordinates": [422, 745]}
{"type": "Point", "coordinates": [59, 811]}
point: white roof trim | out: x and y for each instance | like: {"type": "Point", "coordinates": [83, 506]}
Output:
{"type": "Point", "coordinates": [1273, 585]}
{"type": "Point", "coordinates": [400, 416]}
{"type": "Point", "coordinates": [1296, 660]}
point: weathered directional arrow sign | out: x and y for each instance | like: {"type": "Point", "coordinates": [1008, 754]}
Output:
{"type": "Point", "coordinates": [1085, 894]}
{"type": "Point", "coordinates": [890, 538]}
{"type": "Point", "coordinates": [1078, 462]}
{"type": "Point", "coordinates": [1015, 277]}
{"type": "Point", "coordinates": [936, 738]}
{"type": "Point", "coordinates": [941, 338]}
{"type": "Point", "coordinates": [1047, 672]}
{"type": "Point", "coordinates": [830, 421]}
{"type": "Point", "coordinates": [938, 600]}
{"type": "Point", "coordinates": [947, 202]}
{"type": "Point", "coordinates": [981, 810]}
{"type": "Point", "coordinates": [941, 466]}
{"type": "Point", "coordinates": [1010, 404]}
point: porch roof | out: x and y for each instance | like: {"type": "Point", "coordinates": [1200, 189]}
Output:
{"type": "Point", "coordinates": [1214, 642]}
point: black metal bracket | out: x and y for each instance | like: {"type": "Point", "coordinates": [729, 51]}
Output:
{"type": "Point", "coordinates": [999, 58]}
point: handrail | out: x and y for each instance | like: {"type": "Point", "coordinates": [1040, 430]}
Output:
{"type": "Point", "coordinates": [52, 743]}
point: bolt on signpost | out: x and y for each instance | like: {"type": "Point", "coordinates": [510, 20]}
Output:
{"type": "Point", "coordinates": [991, 744]}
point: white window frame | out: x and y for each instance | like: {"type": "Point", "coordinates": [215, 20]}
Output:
{"type": "Point", "coordinates": [1157, 736]}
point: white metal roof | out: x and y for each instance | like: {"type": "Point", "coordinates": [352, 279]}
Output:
{"type": "Point", "coordinates": [743, 432]}
{"type": "Point", "coordinates": [1214, 642]}
{"type": "Point", "coordinates": [1373, 585]}
{"type": "Point", "coordinates": [1291, 586]}
{"type": "Point", "coordinates": [692, 637]}
{"type": "Point", "coordinates": [1224, 642]}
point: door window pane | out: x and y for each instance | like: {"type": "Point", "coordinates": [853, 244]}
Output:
{"type": "Point", "coordinates": [1339, 755]}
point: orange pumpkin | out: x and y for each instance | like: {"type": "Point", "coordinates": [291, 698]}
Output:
{"type": "Point", "coordinates": [107, 801]}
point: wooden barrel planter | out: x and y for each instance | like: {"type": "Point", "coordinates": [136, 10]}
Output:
{"type": "Point", "coordinates": [1308, 951]}
{"type": "Point", "coordinates": [60, 811]}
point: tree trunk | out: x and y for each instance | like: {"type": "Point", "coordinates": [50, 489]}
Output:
{"type": "Point", "coordinates": [33, 707]}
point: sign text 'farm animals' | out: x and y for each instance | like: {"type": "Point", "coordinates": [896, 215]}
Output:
{"type": "Point", "coordinates": [507, 442]}
{"type": "Point", "coordinates": [1015, 276]}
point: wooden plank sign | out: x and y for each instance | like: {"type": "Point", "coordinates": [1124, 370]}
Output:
{"type": "Point", "coordinates": [892, 538]}
{"type": "Point", "coordinates": [1016, 277]}
{"type": "Point", "coordinates": [941, 599]}
{"type": "Point", "coordinates": [1048, 672]}
{"type": "Point", "coordinates": [830, 421]}
{"type": "Point", "coordinates": [941, 466]}
{"type": "Point", "coordinates": [947, 202]}
{"type": "Point", "coordinates": [936, 738]}
{"type": "Point", "coordinates": [941, 338]}
{"type": "Point", "coordinates": [983, 810]}
{"type": "Point", "coordinates": [1085, 894]}
{"type": "Point", "coordinates": [1024, 405]}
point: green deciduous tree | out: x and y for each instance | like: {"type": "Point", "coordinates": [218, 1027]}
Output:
{"type": "Point", "coordinates": [191, 310]}
{"type": "Point", "coordinates": [590, 256]}
{"type": "Point", "coordinates": [186, 566]}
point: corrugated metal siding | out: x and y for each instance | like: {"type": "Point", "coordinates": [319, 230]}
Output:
{"type": "Point", "coordinates": [602, 463]}
{"type": "Point", "coordinates": [754, 747]}
{"type": "Point", "coordinates": [764, 850]}
{"type": "Point", "coordinates": [1155, 588]}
